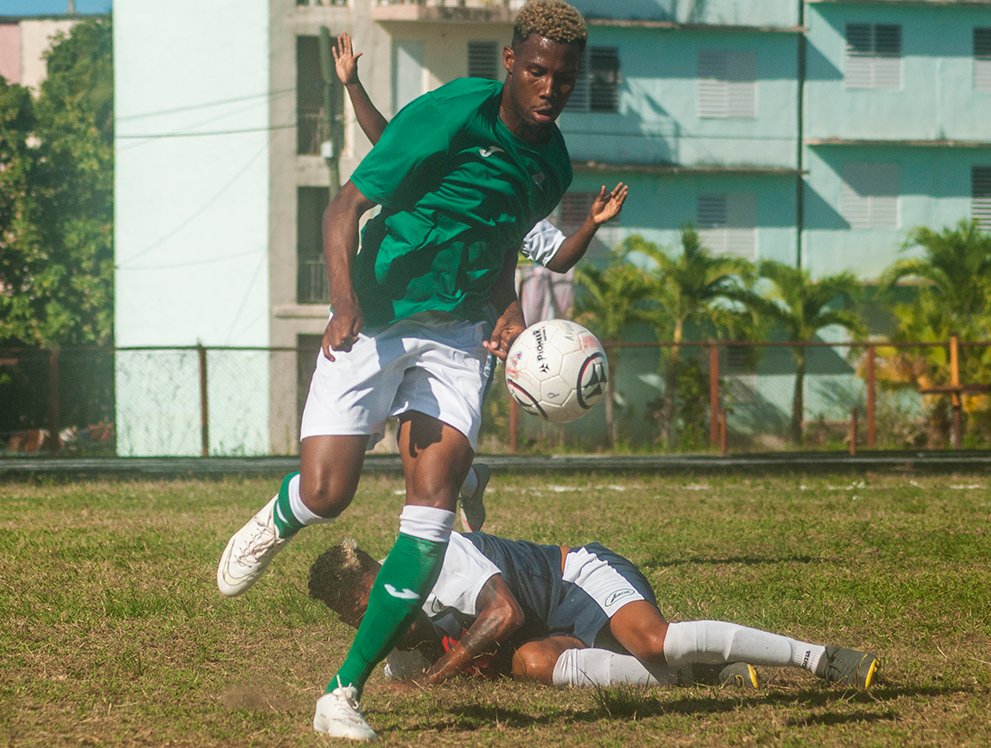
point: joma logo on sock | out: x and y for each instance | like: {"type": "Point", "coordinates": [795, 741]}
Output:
{"type": "Point", "coordinates": [404, 594]}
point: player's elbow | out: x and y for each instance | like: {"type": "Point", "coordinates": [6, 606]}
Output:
{"type": "Point", "coordinates": [556, 265]}
{"type": "Point", "coordinates": [510, 618]}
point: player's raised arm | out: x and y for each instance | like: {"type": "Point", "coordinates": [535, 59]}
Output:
{"type": "Point", "coordinates": [605, 207]}
{"type": "Point", "coordinates": [369, 118]}
{"type": "Point", "coordinates": [499, 616]}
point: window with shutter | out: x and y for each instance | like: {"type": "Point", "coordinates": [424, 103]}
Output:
{"type": "Point", "coordinates": [982, 60]}
{"type": "Point", "coordinates": [873, 56]}
{"type": "Point", "coordinates": [727, 84]}
{"type": "Point", "coordinates": [869, 195]}
{"type": "Point", "coordinates": [483, 60]}
{"type": "Point", "coordinates": [727, 223]}
{"type": "Point", "coordinates": [597, 87]}
{"type": "Point", "coordinates": [980, 191]}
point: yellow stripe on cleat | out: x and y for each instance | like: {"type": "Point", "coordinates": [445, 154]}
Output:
{"type": "Point", "coordinates": [871, 672]}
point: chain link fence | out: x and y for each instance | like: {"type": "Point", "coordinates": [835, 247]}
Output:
{"type": "Point", "coordinates": [695, 397]}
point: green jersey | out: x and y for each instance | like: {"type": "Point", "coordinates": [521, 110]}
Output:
{"type": "Point", "coordinates": [458, 191]}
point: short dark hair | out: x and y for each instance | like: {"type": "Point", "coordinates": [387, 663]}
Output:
{"type": "Point", "coordinates": [552, 19]}
{"type": "Point", "coordinates": [337, 574]}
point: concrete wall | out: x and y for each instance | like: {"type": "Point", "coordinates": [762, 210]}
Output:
{"type": "Point", "coordinates": [725, 12]}
{"type": "Point", "coordinates": [658, 120]}
{"type": "Point", "coordinates": [192, 158]}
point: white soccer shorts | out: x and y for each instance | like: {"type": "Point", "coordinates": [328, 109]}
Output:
{"type": "Point", "coordinates": [431, 363]}
{"type": "Point", "coordinates": [609, 579]}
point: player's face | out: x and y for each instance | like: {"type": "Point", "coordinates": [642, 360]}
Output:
{"type": "Point", "coordinates": [540, 77]}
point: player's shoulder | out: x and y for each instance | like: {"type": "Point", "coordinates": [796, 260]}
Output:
{"type": "Point", "coordinates": [467, 90]}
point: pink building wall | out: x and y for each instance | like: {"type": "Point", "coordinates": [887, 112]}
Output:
{"type": "Point", "coordinates": [10, 52]}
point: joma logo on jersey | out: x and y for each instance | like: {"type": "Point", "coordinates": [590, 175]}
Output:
{"type": "Point", "coordinates": [490, 151]}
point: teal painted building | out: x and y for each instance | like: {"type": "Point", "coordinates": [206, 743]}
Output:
{"type": "Point", "coordinates": [815, 133]}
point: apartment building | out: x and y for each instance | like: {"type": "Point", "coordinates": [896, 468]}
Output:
{"type": "Point", "coordinates": [814, 133]}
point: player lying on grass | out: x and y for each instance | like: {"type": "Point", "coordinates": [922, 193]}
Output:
{"type": "Point", "coordinates": [544, 243]}
{"type": "Point", "coordinates": [567, 616]}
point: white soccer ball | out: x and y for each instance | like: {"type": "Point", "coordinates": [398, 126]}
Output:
{"type": "Point", "coordinates": [556, 370]}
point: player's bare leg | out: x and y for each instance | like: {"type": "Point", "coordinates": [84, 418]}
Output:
{"type": "Point", "coordinates": [436, 458]}
{"type": "Point", "coordinates": [331, 466]}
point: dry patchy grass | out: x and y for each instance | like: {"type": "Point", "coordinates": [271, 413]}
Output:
{"type": "Point", "coordinates": [113, 632]}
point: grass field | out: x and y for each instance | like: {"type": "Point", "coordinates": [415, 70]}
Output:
{"type": "Point", "coordinates": [112, 631]}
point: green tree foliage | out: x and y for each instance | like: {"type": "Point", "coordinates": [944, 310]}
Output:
{"type": "Point", "coordinates": [953, 277]}
{"type": "Point", "coordinates": [17, 208]}
{"type": "Point", "coordinates": [57, 269]}
{"type": "Point", "coordinates": [799, 307]}
{"type": "Point", "coordinates": [608, 301]}
{"type": "Point", "coordinates": [693, 289]}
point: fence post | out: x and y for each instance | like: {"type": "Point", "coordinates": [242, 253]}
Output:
{"type": "Point", "coordinates": [54, 406]}
{"type": "Point", "coordinates": [871, 376]}
{"type": "Point", "coordinates": [204, 404]}
{"type": "Point", "coordinates": [955, 398]}
{"type": "Point", "coordinates": [713, 395]}
{"type": "Point", "coordinates": [514, 426]}
{"type": "Point", "coordinates": [853, 431]}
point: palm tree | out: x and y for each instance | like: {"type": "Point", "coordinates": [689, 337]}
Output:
{"type": "Point", "coordinates": [955, 269]}
{"type": "Point", "coordinates": [802, 307]}
{"type": "Point", "coordinates": [954, 297]}
{"type": "Point", "coordinates": [607, 301]}
{"type": "Point", "coordinates": [693, 288]}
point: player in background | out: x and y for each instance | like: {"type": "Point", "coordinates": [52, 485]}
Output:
{"type": "Point", "coordinates": [416, 315]}
{"type": "Point", "coordinates": [568, 616]}
{"type": "Point", "coordinates": [544, 243]}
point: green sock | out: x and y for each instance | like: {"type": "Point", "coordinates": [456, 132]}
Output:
{"type": "Point", "coordinates": [409, 571]}
{"type": "Point", "coordinates": [285, 521]}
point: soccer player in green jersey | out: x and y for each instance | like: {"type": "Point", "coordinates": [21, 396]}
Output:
{"type": "Point", "coordinates": [461, 174]}
{"type": "Point", "coordinates": [543, 244]}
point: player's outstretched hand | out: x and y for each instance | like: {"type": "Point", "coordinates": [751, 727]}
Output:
{"type": "Point", "coordinates": [507, 328]}
{"type": "Point", "coordinates": [345, 60]}
{"type": "Point", "coordinates": [607, 205]}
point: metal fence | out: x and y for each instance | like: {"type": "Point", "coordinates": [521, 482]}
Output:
{"type": "Point", "coordinates": [696, 397]}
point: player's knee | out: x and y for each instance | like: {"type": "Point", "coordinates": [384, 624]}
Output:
{"type": "Point", "coordinates": [532, 662]}
{"type": "Point", "coordinates": [324, 495]}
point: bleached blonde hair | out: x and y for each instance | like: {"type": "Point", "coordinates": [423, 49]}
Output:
{"type": "Point", "coordinates": [552, 19]}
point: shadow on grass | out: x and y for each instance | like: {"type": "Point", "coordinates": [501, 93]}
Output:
{"type": "Point", "coordinates": [832, 718]}
{"type": "Point", "coordinates": [468, 715]}
{"type": "Point", "coordinates": [745, 560]}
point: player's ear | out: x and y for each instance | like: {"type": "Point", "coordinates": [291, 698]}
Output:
{"type": "Point", "coordinates": [508, 58]}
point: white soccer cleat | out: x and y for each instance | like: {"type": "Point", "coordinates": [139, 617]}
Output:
{"type": "Point", "coordinates": [405, 664]}
{"type": "Point", "coordinates": [472, 507]}
{"type": "Point", "coordinates": [249, 552]}
{"type": "Point", "coordinates": [339, 715]}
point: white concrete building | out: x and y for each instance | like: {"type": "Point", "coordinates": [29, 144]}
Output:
{"type": "Point", "coordinates": [221, 183]}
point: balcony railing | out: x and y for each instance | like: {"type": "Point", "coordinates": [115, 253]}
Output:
{"type": "Point", "coordinates": [313, 287]}
{"type": "Point", "coordinates": [475, 11]}
{"type": "Point", "coordinates": [311, 131]}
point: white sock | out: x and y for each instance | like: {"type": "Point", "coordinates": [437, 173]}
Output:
{"type": "Point", "coordinates": [585, 668]}
{"type": "Point", "coordinates": [302, 512]}
{"type": "Point", "coordinates": [471, 483]}
{"type": "Point", "coordinates": [426, 523]}
{"type": "Point", "coordinates": [718, 642]}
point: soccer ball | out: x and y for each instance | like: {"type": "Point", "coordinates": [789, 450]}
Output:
{"type": "Point", "coordinates": [556, 370]}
